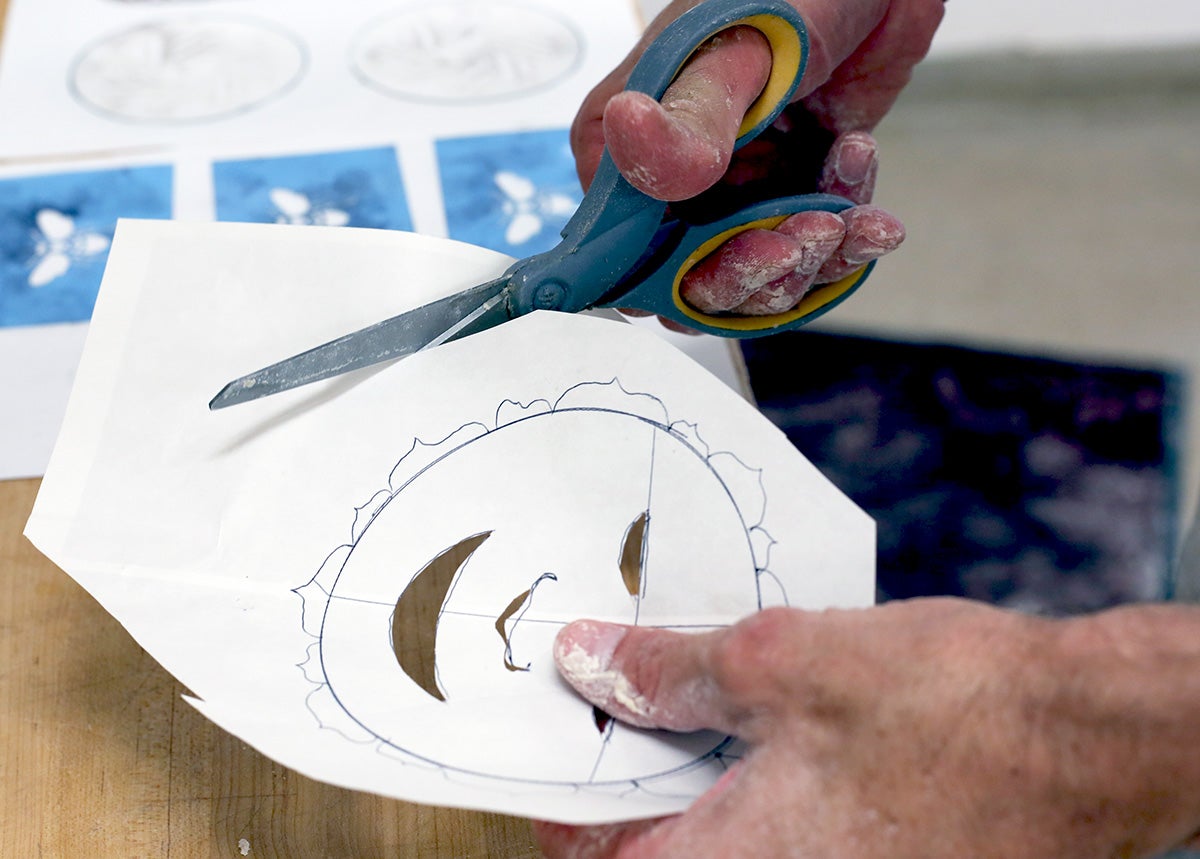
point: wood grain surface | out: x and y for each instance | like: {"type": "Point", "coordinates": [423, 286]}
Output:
{"type": "Point", "coordinates": [100, 757]}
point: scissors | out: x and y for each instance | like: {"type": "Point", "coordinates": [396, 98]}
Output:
{"type": "Point", "coordinates": [621, 248]}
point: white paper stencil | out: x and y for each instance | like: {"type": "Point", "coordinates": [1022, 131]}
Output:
{"type": "Point", "coordinates": [363, 578]}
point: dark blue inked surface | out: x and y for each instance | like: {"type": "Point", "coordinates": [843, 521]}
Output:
{"type": "Point", "coordinates": [355, 188]}
{"type": "Point", "coordinates": [55, 232]}
{"type": "Point", "coordinates": [1044, 485]}
{"type": "Point", "coordinates": [509, 192]}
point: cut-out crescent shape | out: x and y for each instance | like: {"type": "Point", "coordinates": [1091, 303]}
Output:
{"type": "Point", "coordinates": [415, 621]}
{"type": "Point", "coordinates": [633, 553]}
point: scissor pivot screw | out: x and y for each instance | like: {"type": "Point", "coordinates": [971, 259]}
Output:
{"type": "Point", "coordinates": [550, 295]}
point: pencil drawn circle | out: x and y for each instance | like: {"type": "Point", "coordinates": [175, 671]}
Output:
{"type": "Point", "coordinates": [465, 52]}
{"type": "Point", "coordinates": [546, 536]}
{"type": "Point", "coordinates": [187, 69]}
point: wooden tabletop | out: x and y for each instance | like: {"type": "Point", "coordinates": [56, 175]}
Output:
{"type": "Point", "coordinates": [99, 756]}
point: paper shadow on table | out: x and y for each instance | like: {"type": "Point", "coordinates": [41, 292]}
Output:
{"type": "Point", "coordinates": [1039, 484]}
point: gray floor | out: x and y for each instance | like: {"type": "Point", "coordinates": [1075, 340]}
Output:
{"type": "Point", "coordinates": [1053, 207]}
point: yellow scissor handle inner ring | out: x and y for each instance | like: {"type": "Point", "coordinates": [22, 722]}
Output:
{"type": "Point", "coordinates": [787, 59]}
{"type": "Point", "coordinates": [811, 303]}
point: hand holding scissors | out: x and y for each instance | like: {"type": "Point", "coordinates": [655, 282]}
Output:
{"type": "Point", "coordinates": [621, 248]}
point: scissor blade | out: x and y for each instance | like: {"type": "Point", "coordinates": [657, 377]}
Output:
{"type": "Point", "coordinates": [450, 318]}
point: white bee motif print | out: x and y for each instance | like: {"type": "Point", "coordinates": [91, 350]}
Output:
{"type": "Point", "coordinates": [527, 208]}
{"type": "Point", "coordinates": [296, 208]}
{"type": "Point", "coordinates": [58, 244]}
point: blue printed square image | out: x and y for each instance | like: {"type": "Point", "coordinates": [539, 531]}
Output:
{"type": "Point", "coordinates": [55, 233]}
{"type": "Point", "coordinates": [354, 188]}
{"type": "Point", "coordinates": [509, 192]}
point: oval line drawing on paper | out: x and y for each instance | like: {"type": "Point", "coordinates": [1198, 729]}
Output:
{"type": "Point", "coordinates": [414, 623]}
{"type": "Point", "coordinates": [558, 520]}
{"type": "Point", "coordinates": [457, 52]}
{"type": "Point", "coordinates": [187, 70]}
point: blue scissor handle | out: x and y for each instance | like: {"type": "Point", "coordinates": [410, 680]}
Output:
{"type": "Point", "coordinates": [778, 21]}
{"type": "Point", "coordinates": [659, 292]}
{"type": "Point", "coordinates": [610, 198]}
{"type": "Point", "coordinates": [609, 235]}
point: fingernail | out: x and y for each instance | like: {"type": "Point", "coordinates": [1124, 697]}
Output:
{"type": "Point", "coordinates": [584, 651]}
{"type": "Point", "coordinates": [861, 249]}
{"type": "Point", "coordinates": [870, 240]}
{"type": "Point", "coordinates": [855, 162]}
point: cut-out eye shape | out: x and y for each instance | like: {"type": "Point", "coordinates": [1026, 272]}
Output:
{"type": "Point", "coordinates": [415, 620]}
{"type": "Point", "coordinates": [633, 554]}
{"type": "Point", "coordinates": [631, 564]}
